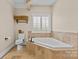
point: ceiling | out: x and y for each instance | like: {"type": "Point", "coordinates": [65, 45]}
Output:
{"type": "Point", "coordinates": [43, 2]}
{"type": "Point", "coordinates": [22, 3]}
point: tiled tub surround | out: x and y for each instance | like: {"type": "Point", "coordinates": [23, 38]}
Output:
{"type": "Point", "coordinates": [41, 35]}
{"type": "Point", "coordinates": [67, 37]}
{"type": "Point", "coordinates": [40, 52]}
{"type": "Point", "coordinates": [30, 34]}
{"type": "Point", "coordinates": [70, 38]}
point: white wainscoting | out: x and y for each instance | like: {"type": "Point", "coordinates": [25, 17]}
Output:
{"type": "Point", "coordinates": [2, 53]}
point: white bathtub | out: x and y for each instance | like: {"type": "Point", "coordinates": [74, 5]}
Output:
{"type": "Point", "coordinates": [50, 42]}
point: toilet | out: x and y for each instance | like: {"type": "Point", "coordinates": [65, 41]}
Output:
{"type": "Point", "coordinates": [20, 40]}
{"type": "Point", "coordinates": [19, 43]}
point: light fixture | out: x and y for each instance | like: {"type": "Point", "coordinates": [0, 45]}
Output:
{"type": "Point", "coordinates": [28, 4]}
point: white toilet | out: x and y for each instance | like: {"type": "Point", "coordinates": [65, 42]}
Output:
{"type": "Point", "coordinates": [20, 41]}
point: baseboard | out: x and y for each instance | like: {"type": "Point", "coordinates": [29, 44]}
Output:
{"type": "Point", "coordinates": [6, 50]}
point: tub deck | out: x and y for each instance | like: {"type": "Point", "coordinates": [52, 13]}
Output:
{"type": "Point", "coordinates": [40, 52]}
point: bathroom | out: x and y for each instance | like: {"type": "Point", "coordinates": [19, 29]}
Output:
{"type": "Point", "coordinates": [49, 27]}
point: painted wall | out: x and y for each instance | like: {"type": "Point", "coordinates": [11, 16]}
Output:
{"type": "Point", "coordinates": [34, 11]}
{"type": "Point", "coordinates": [6, 25]}
{"type": "Point", "coordinates": [22, 26]}
{"type": "Point", "coordinates": [65, 22]}
{"type": "Point", "coordinates": [65, 16]}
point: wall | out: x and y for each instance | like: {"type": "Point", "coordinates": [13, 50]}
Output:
{"type": "Point", "coordinates": [6, 27]}
{"type": "Point", "coordinates": [34, 11]}
{"type": "Point", "coordinates": [65, 16]}
{"type": "Point", "coordinates": [65, 21]}
{"type": "Point", "coordinates": [23, 26]}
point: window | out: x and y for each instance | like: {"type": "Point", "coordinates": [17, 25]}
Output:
{"type": "Point", "coordinates": [36, 23]}
{"type": "Point", "coordinates": [45, 23]}
{"type": "Point", "coordinates": [41, 23]}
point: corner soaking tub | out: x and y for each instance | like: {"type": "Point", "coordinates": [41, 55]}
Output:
{"type": "Point", "coordinates": [50, 43]}
{"type": "Point", "coordinates": [49, 48]}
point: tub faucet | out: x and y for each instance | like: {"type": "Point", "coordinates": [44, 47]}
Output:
{"type": "Point", "coordinates": [31, 39]}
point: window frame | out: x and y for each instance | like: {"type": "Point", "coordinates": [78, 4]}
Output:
{"type": "Point", "coordinates": [42, 31]}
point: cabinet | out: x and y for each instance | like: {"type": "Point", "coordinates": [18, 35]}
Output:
{"type": "Point", "coordinates": [21, 19]}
